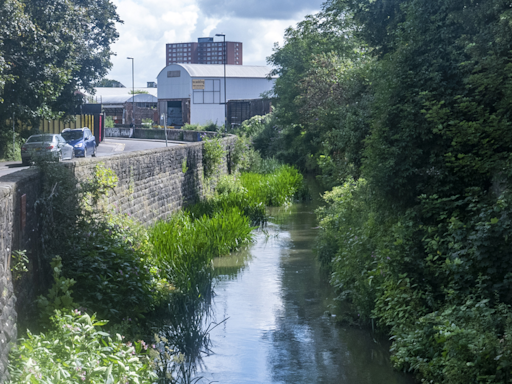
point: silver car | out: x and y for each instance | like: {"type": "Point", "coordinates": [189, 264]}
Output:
{"type": "Point", "coordinates": [50, 145]}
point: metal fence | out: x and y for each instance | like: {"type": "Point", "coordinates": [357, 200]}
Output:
{"type": "Point", "coordinates": [57, 126]}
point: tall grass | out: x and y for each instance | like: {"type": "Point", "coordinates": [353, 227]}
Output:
{"type": "Point", "coordinates": [274, 189]}
{"type": "Point", "coordinates": [185, 245]}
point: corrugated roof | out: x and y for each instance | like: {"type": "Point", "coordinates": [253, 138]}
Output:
{"type": "Point", "coordinates": [217, 70]}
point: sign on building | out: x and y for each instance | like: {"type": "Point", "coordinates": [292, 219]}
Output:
{"type": "Point", "coordinates": [197, 84]}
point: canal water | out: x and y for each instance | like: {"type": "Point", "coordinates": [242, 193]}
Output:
{"type": "Point", "coordinates": [272, 309]}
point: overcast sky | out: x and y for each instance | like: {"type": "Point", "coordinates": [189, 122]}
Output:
{"type": "Point", "coordinates": [150, 24]}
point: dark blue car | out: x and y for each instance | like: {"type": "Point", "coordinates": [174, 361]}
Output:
{"type": "Point", "coordinates": [82, 141]}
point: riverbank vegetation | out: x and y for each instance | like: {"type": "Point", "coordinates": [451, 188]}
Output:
{"type": "Point", "coordinates": [403, 109]}
{"type": "Point", "coordinates": [108, 266]}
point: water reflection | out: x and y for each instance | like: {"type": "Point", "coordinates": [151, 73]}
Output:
{"type": "Point", "coordinates": [277, 330]}
{"type": "Point", "coordinates": [267, 322]}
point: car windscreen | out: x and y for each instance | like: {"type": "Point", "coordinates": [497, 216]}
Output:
{"type": "Point", "coordinates": [40, 139]}
{"type": "Point", "coordinates": [72, 135]}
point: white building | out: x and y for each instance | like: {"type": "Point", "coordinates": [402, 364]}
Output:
{"type": "Point", "coordinates": [194, 93]}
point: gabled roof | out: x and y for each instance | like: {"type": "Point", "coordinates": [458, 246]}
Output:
{"type": "Point", "coordinates": [217, 70]}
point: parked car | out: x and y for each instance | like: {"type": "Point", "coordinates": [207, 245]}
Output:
{"type": "Point", "coordinates": [82, 140]}
{"type": "Point", "coordinates": [48, 144]}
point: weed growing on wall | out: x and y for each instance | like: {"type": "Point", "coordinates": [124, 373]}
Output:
{"type": "Point", "coordinates": [19, 264]}
{"type": "Point", "coordinates": [213, 153]}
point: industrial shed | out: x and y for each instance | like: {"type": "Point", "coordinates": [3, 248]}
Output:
{"type": "Point", "coordinates": [118, 103]}
{"type": "Point", "coordinates": [194, 93]}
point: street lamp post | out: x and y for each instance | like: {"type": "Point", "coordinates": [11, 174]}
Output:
{"type": "Point", "coordinates": [133, 91]}
{"type": "Point", "coordinates": [225, 93]}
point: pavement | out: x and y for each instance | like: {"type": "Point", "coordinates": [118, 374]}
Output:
{"type": "Point", "coordinates": [109, 147]}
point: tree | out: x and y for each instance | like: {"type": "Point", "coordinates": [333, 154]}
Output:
{"type": "Point", "coordinates": [318, 34]}
{"type": "Point", "coordinates": [50, 49]}
{"type": "Point", "coordinates": [109, 83]}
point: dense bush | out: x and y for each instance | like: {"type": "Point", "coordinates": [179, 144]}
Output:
{"type": "Point", "coordinates": [213, 154]}
{"type": "Point", "coordinates": [77, 350]}
{"type": "Point", "coordinates": [114, 273]}
{"type": "Point", "coordinates": [412, 128]}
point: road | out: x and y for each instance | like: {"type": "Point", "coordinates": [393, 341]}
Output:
{"type": "Point", "coordinates": [109, 147]}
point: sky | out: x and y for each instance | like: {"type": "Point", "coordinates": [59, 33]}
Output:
{"type": "Point", "coordinates": [150, 24]}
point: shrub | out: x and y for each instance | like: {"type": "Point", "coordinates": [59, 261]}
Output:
{"type": "Point", "coordinates": [76, 350]}
{"type": "Point", "coordinates": [212, 157]}
{"type": "Point", "coordinates": [113, 270]}
{"type": "Point", "coordinates": [109, 122]}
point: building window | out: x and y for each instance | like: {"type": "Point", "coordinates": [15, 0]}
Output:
{"type": "Point", "coordinates": [173, 73]}
{"type": "Point", "coordinates": [210, 94]}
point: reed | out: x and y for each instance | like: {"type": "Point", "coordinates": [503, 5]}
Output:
{"type": "Point", "coordinates": [273, 189]}
{"type": "Point", "coordinates": [185, 245]}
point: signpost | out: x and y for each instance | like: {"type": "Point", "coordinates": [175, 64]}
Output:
{"type": "Point", "coordinates": [198, 84]}
{"type": "Point", "coordinates": [162, 117]}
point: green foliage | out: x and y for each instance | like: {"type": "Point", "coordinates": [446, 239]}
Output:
{"type": "Point", "coordinates": [242, 155]}
{"type": "Point", "coordinates": [209, 126]}
{"type": "Point", "coordinates": [45, 56]}
{"type": "Point", "coordinates": [213, 153]}
{"type": "Point", "coordinates": [77, 350]}
{"type": "Point", "coordinates": [104, 180]}
{"type": "Point", "coordinates": [59, 295]}
{"type": "Point", "coordinates": [253, 126]}
{"type": "Point", "coordinates": [185, 245]}
{"type": "Point", "coordinates": [184, 167]}
{"type": "Point", "coordinates": [417, 132]}
{"type": "Point", "coordinates": [109, 83]}
{"type": "Point", "coordinates": [19, 264]}
{"type": "Point", "coordinates": [230, 193]}
{"type": "Point", "coordinates": [147, 122]}
{"type": "Point", "coordinates": [114, 273]}
{"type": "Point", "coordinates": [274, 189]}
{"type": "Point", "coordinates": [7, 151]}
{"type": "Point", "coordinates": [109, 122]}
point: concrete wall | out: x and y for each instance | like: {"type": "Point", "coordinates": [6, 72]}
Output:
{"type": "Point", "coordinates": [151, 186]}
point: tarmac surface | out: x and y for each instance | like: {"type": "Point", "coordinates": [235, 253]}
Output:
{"type": "Point", "coordinates": [109, 147]}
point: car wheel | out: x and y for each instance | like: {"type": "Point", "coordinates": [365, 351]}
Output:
{"type": "Point", "coordinates": [85, 152]}
{"type": "Point", "coordinates": [60, 157]}
{"type": "Point", "coordinates": [25, 162]}
{"type": "Point", "coordinates": [94, 153]}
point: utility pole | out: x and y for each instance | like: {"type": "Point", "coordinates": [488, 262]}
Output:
{"type": "Point", "coordinates": [162, 117]}
{"type": "Point", "coordinates": [133, 91]}
{"type": "Point", "coordinates": [13, 134]}
{"type": "Point", "coordinates": [225, 91]}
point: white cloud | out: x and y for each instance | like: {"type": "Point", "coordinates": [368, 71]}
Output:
{"type": "Point", "coordinates": [150, 24]}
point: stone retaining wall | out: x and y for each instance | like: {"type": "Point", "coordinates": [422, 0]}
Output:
{"type": "Point", "coordinates": [172, 134]}
{"type": "Point", "coordinates": [151, 186]}
{"type": "Point", "coordinates": [18, 230]}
